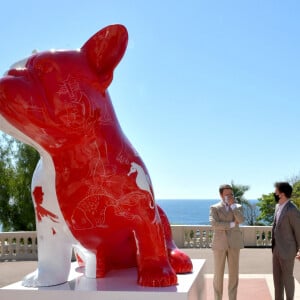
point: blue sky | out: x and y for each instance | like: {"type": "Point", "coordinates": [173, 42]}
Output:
{"type": "Point", "coordinates": [207, 92]}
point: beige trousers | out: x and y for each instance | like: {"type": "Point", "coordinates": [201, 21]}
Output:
{"type": "Point", "coordinates": [220, 256]}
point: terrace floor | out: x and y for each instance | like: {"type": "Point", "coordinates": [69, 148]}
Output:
{"type": "Point", "coordinates": [256, 281]}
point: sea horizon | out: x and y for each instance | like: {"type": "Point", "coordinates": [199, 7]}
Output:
{"type": "Point", "coordinates": [186, 211]}
{"type": "Point", "coordinates": [189, 211]}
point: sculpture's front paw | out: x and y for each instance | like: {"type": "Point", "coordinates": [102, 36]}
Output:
{"type": "Point", "coordinates": [180, 262]}
{"type": "Point", "coordinates": [157, 274]}
{"type": "Point", "coordinates": [36, 279]}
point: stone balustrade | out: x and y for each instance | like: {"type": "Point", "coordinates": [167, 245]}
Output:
{"type": "Point", "coordinates": [200, 236]}
{"type": "Point", "coordinates": [23, 245]}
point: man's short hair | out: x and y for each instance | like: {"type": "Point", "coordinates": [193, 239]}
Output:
{"type": "Point", "coordinates": [224, 187]}
{"type": "Point", "coordinates": [285, 188]}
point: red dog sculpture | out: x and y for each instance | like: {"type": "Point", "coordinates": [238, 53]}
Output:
{"type": "Point", "coordinates": [91, 189]}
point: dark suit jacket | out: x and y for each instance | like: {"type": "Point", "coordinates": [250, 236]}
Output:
{"type": "Point", "coordinates": [286, 232]}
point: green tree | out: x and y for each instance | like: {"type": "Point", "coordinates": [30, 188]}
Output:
{"type": "Point", "coordinates": [238, 192]}
{"type": "Point", "coordinates": [17, 164]}
{"type": "Point", "coordinates": [295, 182]}
{"type": "Point", "coordinates": [266, 206]}
{"type": "Point", "coordinates": [250, 210]}
{"type": "Point", "coordinates": [296, 193]}
{"type": "Point", "coordinates": [5, 175]}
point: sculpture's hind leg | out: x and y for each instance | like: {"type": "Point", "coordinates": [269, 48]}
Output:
{"type": "Point", "coordinates": [180, 262]}
{"type": "Point", "coordinates": [154, 268]}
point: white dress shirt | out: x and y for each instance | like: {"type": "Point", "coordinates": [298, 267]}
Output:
{"type": "Point", "coordinates": [279, 209]}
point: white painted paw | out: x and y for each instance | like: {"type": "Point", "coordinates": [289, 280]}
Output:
{"type": "Point", "coordinates": [36, 279]}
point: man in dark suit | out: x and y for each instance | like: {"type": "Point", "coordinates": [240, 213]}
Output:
{"type": "Point", "coordinates": [285, 241]}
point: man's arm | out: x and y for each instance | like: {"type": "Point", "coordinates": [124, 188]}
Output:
{"type": "Point", "coordinates": [238, 213]}
{"type": "Point", "coordinates": [215, 222]}
{"type": "Point", "coordinates": [295, 222]}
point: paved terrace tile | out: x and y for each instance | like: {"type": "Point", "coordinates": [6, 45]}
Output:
{"type": "Point", "coordinates": [255, 273]}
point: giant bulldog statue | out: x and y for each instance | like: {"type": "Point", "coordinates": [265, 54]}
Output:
{"type": "Point", "coordinates": [91, 190]}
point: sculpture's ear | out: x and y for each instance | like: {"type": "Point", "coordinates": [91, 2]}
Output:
{"type": "Point", "coordinates": [105, 49]}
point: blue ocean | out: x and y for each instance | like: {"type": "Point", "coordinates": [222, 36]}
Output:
{"type": "Point", "coordinates": [188, 212]}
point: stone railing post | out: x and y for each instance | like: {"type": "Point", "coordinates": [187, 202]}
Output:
{"type": "Point", "coordinates": [200, 236]}
{"type": "Point", "coordinates": [192, 236]}
{"type": "Point", "coordinates": [21, 245]}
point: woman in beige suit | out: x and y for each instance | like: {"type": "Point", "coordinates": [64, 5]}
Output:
{"type": "Point", "coordinates": [225, 218]}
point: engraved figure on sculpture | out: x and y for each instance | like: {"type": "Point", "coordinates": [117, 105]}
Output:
{"type": "Point", "coordinates": [91, 189]}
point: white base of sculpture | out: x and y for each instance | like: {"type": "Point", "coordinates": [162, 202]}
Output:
{"type": "Point", "coordinates": [118, 284]}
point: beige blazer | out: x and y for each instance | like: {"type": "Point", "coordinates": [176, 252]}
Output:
{"type": "Point", "coordinates": [286, 233]}
{"type": "Point", "coordinates": [225, 237]}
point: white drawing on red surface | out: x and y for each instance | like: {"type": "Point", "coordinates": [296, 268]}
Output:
{"type": "Point", "coordinates": [142, 180]}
